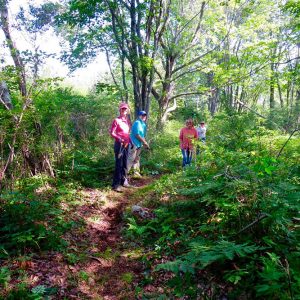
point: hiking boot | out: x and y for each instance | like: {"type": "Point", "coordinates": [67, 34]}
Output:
{"type": "Point", "coordinates": [118, 189]}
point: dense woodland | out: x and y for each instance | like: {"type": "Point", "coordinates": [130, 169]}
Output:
{"type": "Point", "coordinates": [226, 227]}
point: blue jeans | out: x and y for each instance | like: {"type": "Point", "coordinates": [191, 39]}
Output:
{"type": "Point", "coordinates": [186, 156]}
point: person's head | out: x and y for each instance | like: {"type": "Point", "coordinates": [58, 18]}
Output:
{"type": "Point", "coordinates": [142, 115]}
{"type": "Point", "coordinates": [123, 109]}
{"type": "Point", "coordinates": [189, 123]}
{"type": "Point", "coordinates": [202, 123]}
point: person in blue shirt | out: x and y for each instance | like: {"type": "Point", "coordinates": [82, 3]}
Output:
{"type": "Point", "coordinates": [137, 136]}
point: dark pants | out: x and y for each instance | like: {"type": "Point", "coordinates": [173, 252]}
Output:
{"type": "Point", "coordinates": [121, 154]}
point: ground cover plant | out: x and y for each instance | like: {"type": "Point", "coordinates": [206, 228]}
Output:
{"type": "Point", "coordinates": [229, 224]}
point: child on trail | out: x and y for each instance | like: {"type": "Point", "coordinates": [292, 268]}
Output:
{"type": "Point", "coordinates": [186, 137]}
{"type": "Point", "coordinates": [137, 136]}
{"type": "Point", "coordinates": [120, 132]}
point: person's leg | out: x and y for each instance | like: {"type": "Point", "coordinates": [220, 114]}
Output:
{"type": "Point", "coordinates": [118, 163]}
{"type": "Point", "coordinates": [124, 159]}
{"type": "Point", "coordinates": [189, 156]}
{"type": "Point", "coordinates": [132, 152]}
{"type": "Point", "coordinates": [183, 151]}
{"type": "Point", "coordinates": [136, 162]}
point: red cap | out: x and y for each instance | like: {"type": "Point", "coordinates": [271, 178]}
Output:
{"type": "Point", "coordinates": [123, 105]}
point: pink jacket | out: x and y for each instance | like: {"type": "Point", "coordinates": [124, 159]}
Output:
{"type": "Point", "coordinates": [119, 130]}
{"type": "Point", "coordinates": [186, 137]}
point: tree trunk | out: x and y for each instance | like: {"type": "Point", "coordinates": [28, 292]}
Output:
{"type": "Point", "coordinates": [297, 107]}
{"type": "Point", "coordinates": [5, 96]}
{"type": "Point", "coordinates": [213, 95]}
{"type": "Point", "coordinates": [288, 93]}
{"type": "Point", "coordinates": [272, 86]}
{"type": "Point", "coordinates": [280, 93]}
{"type": "Point", "coordinates": [14, 52]}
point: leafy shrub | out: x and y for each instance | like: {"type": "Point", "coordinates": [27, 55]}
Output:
{"type": "Point", "coordinates": [232, 217]}
{"type": "Point", "coordinates": [32, 220]}
{"type": "Point", "coordinates": [23, 292]}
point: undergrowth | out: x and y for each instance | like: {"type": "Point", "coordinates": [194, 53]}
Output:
{"type": "Point", "coordinates": [229, 224]}
{"type": "Point", "coordinates": [33, 220]}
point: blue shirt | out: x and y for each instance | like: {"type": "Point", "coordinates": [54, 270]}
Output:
{"type": "Point", "coordinates": [139, 127]}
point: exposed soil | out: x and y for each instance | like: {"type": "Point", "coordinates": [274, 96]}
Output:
{"type": "Point", "coordinates": [99, 263]}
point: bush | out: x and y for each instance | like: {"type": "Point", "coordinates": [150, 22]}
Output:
{"type": "Point", "coordinates": [230, 221]}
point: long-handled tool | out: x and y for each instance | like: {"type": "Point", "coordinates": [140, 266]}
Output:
{"type": "Point", "coordinates": [121, 151]}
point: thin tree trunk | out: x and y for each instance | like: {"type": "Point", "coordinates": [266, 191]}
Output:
{"type": "Point", "coordinates": [297, 106]}
{"type": "Point", "coordinates": [124, 78]}
{"type": "Point", "coordinates": [5, 96]}
{"type": "Point", "coordinates": [272, 87]}
{"type": "Point", "coordinates": [14, 52]}
{"type": "Point", "coordinates": [288, 93]}
{"type": "Point", "coordinates": [280, 93]}
{"type": "Point", "coordinates": [213, 95]}
{"type": "Point", "coordinates": [236, 96]}
{"type": "Point", "coordinates": [110, 68]}
{"type": "Point", "coordinates": [21, 82]}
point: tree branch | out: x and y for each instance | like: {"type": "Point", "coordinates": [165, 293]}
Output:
{"type": "Point", "coordinates": [188, 22]}
{"type": "Point", "coordinates": [198, 69]}
{"type": "Point", "coordinates": [199, 23]}
{"type": "Point", "coordinates": [294, 131]}
{"type": "Point", "coordinates": [261, 217]}
{"type": "Point", "coordinates": [110, 69]}
{"type": "Point", "coordinates": [186, 94]}
{"type": "Point", "coordinates": [243, 104]}
{"type": "Point", "coordinates": [288, 61]}
{"type": "Point", "coordinates": [198, 57]}
{"type": "Point", "coordinates": [159, 75]}
{"type": "Point", "coordinates": [15, 54]}
{"type": "Point", "coordinates": [155, 93]}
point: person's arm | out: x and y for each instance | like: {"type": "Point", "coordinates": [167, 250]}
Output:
{"type": "Point", "coordinates": [139, 131]}
{"type": "Point", "coordinates": [181, 136]}
{"type": "Point", "coordinates": [113, 130]}
{"type": "Point", "coordinates": [142, 140]}
{"type": "Point", "coordinates": [196, 134]}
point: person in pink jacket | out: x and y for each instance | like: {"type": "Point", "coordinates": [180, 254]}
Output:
{"type": "Point", "coordinates": [187, 135]}
{"type": "Point", "coordinates": [119, 130]}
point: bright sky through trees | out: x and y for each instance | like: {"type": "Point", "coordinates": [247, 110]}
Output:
{"type": "Point", "coordinates": [82, 79]}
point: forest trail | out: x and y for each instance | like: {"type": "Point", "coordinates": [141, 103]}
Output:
{"type": "Point", "coordinates": [98, 264]}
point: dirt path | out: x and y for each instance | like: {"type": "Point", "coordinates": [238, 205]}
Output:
{"type": "Point", "coordinates": [98, 263]}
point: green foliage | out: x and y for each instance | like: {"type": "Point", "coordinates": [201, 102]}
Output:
{"type": "Point", "coordinates": [164, 153]}
{"type": "Point", "coordinates": [22, 223]}
{"type": "Point", "coordinates": [5, 275]}
{"type": "Point", "coordinates": [232, 216]}
{"type": "Point", "coordinates": [276, 279]}
{"type": "Point", "coordinates": [127, 277]}
{"type": "Point", "coordinates": [33, 220]}
{"type": "Point", "coordinates": [234, 213]}
{"type": "Point", "coordinates": [84, 276]}
{"type": "Point", "coordinates": [88, 169]}
{"type": "Point", "coordinates": [69, 130]}
{"type": "Point", "coordinates": [200, 255]}
{"type": "Point", "coordinates": [38, 292]}
{"type": "Point", "coordinates": [146, 64]}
